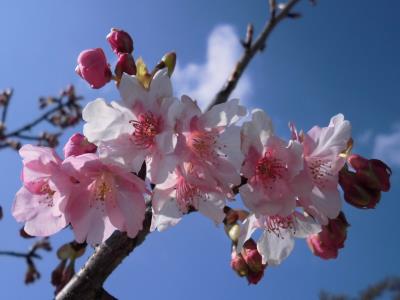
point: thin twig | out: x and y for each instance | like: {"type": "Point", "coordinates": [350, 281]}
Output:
{"type": "Point", "coordinates": [87, 284]}
{"type": "Point", "coordinates": [20, 254]}
{"type": "Point", "coordinates": [258, 45]}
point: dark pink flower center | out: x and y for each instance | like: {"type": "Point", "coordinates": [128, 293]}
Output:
{"type": "Point", "coordinates": [270, 168]}
{"type": "Point", "coordinates": [275, 224]}
{"type": "Point", "coordinates": [146, 128]}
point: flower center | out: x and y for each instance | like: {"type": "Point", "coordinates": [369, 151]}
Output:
{"type": "Point", "coordinates": [187, 195]}
{"type": "Point", "coordinates": [146, 128]}
{"type": "Point", "coordinates": [269, 167]}
{"type": "Point", "coordinates": [204, 144]}
{"type": "Point", "coordinates": [275, 224]}
{"type": "Point", "coordinates": [46, 190]}
{"type": "Point", "coordinates": [320, 171]}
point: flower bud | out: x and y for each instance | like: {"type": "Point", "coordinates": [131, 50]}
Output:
{"type": "Point", "coordinates": [372, 173]}
{"type": "Point", "coordinates": [238, 264]}
{"type": "Point", "coordinates": [77, 145]}
{"type": "Point", "coordinates": [126, 64]}
{"type": "Point", "coordinates": [254, 277]}
{"type": "Point", "coordinates": [93, 67]}
{"type": "Point", "coordinates": [169, 60]}
{"type": "Point", "coordinates": [356, 192]}
{"type": "Point", "coordinates": [120, 41]}
{"type": "Point", "coordinates": [251, 256]}
{"type": "Point", "coordinates": [326, 244]}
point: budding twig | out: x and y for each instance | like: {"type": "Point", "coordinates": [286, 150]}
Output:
{"type": "Point", "coordinates": [66, 113]}
{"type": "Point", "coordinates": [259, 45]}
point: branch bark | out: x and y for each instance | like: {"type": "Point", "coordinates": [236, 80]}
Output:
{"type": "Point", "coordinates": [87, 283]}
{"type": "Point", "coordinates": [249, 52]}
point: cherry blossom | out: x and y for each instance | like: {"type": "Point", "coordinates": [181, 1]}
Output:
{"type": "Point", "coordinates": [106, 197]}
{"type": "Point", "coordinates": [40, 203]}
{"type": "Point", "coordinates": [277, 239]}
{"type": "Point", "coordinates": [211, 140]}
{"type": "Point", "coordinates": [270, 166]}
{"type": "Point", "coordinates": [141, 128]}
{"type": "Point", "coordinates": [323, 159]}
{"type": "Point", "coordinates": [185, 190]}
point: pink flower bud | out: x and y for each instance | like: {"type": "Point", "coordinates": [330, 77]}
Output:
{"type": "Point", "coordinates": [238, 264]}
{"type": "Point", "coordinates": [77, 145]}
{"type": "Point", "coordinates": [326, 244]}
{"type": "Point", "coordinates": [120, 41]}
{"type": "Point", "coordinates": [251, 256]}
{"type": "Point", "coordinates": [93, 67]}
{"type": "Point", "coordinates": [126, 64]}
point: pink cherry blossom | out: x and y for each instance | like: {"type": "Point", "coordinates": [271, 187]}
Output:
{"type": "Point", "coordinates": [77, 145]}
{"type": "Point", "coordinates": [186, 189]}
{"type": "Point", "coordinates": [106, 198]}
{"type": "Point", "coordinates": [270, 165]}
{"type": "Point", "coordinates": [142, 128]}
{"type": "Point", "coordinates": [277, 239]}
{"type": "Point", "coordinates": [211, 140]}
{"type": "Point", "coordinates": [323, 161]}
{"type": "Point", "coordinates": [41, 201]}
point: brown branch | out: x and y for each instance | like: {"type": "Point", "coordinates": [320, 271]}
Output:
{"type": "Point", "coordinates": [87, 284]}
{"type": "Point", "coordinates": [64, 111]}
{"type": "Point", "coordinates": [32, 273]}
{"type": "Point", "coordinates": [249, 52]}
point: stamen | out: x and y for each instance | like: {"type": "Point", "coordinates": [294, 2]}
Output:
{"type": "Point", "coordinates": [205, 145]}
{"type": "Point", "coordinates": [320, 170]}
{"type": "Point", "coordinates": [146, 128]}
{"type": "Point", "coordinates": [270, 168]}
{"type": "Point", "coordinates": [275, 224]}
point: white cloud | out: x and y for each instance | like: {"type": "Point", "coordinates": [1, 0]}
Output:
{"type": "Point", "coordinates": [387, 147]}
{"type": "Point", "coordinates": [202, 81]}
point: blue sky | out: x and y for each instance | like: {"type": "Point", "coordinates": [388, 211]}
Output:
{"type": "Point", "coordinates": [341, 56]}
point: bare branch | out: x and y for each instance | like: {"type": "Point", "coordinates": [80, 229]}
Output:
{"type": "Point", "coordinates": [259, 45]}
{"type": "Point", "coordinates": [65, 111]}
{"type": "Point", "coordinates": [32, 273]}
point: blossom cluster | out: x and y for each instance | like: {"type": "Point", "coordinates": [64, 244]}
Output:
{"type": "Point", "coordinates": [154, 149]}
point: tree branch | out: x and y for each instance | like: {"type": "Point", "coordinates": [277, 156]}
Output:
{"type": "Point", "coordinates": [87, 283]}
{"type": "Point", "coordinates": [249, 52]}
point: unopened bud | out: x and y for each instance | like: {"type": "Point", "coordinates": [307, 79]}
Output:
{"type": "Point", "coordinates": [238, 264]}
{"type": "Point", "coordinates": [93, 67]}
{"type": "Point", "coordinates": [77, 145]}
{"type": "Point", "coordinates": [356, 192]}
{"type": "Point", "coordinates": [126, 64]}
{"type": "Point", "coordinates": [120, 41]}
{"type": "Point", "coordinates": [326, 244]}
{"type": "Point", "coordinates": [169, 60]}
{"type": "Point", "coordinates": [251, 256]}
{"type": "Point", "coordinates": [372, 173]}
{"type": "Point", "coordinates": [255, 277]}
